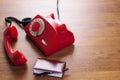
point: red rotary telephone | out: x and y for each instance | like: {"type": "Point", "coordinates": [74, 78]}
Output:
{"type": "Point", "coordinates": [16, 57]}
{"type": "Point", "coordinates": [47, 33]}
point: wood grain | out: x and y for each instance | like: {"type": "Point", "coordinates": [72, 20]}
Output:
{"type": "Point", "coordinates": [95, 55]}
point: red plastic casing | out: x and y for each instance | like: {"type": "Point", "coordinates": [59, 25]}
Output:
{"type": "Point", "coordinates": [53, 37]}
{"type": "Point", "coordinates": [17, 58]}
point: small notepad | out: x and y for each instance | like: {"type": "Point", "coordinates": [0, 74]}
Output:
{"type": "Point", "coordinates": [49, 67]}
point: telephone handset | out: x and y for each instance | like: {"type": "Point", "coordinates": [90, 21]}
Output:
{"type": "Point", "coordinates": [17, 58]}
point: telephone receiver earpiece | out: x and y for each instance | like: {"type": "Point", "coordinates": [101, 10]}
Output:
{"type": "Point", "coordinates": [10, 34]}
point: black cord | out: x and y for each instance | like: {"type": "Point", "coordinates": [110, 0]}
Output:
{"type": "Point", "coordinates": [58, 13]}
{"type": "Point", "coordinates": [24, 21]}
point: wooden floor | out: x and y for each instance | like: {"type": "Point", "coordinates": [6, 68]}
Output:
{"type": "Point", "coordinates": [95, 55]}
